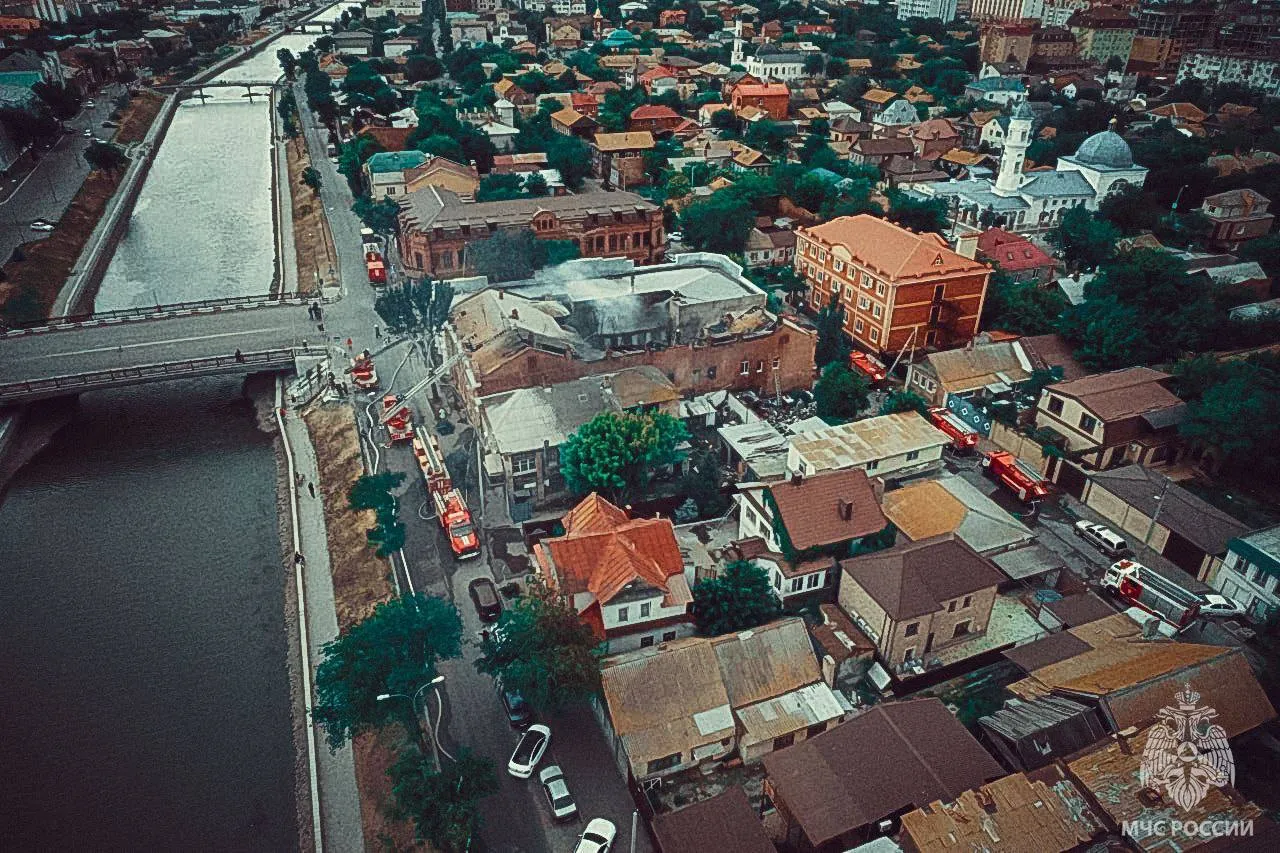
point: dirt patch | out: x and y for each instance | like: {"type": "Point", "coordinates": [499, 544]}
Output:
{"type": "Point", "coordinates": [49, 262]}
{"type": "Point", "coordinates": [312, 241]}
{"type": "Point", "coordinates": [360, 582]}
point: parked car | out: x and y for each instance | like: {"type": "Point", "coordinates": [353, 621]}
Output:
{"type": "Point", "coordinates": [529, 751]}
{"type": "Point", "coordinates": [597, 837]}
{"type": "Point", "coordinates": [1103, 538]}
{"type": "Point", "coordinates": [519, 714]}
{"type": "Point", "coordinates": [87, 133]}
{"type": "Point", "coordinates": [675, 237]}
{"type": "Point", "coordinates": [41, 225]}
{"type": "Point", "coordinates": [484, 595]}
{"type": "Point", "coordinates": [90, 104]}
{"type": "Point", "coordinates": [557, 790]}
{"type": "Point", "coordinates": [110, 123]}
{"type": "Point", "coordinates": [1219, 605]}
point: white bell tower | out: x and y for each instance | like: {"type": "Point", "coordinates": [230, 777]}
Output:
{"type": "Point", "coordinates": [1016, 142]}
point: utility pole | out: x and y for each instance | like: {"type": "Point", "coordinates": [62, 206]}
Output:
{"type": "Point", "coordinates": [1155, 516]}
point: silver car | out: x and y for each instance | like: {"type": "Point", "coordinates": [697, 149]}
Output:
{"type": "Point", "coordinates": [529, 750]}
{"type": "Point", "coordinates": [557, 790]}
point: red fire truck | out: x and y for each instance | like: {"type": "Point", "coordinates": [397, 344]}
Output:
{"type": "Point", "coordinates": [397, 418]}
{"type": "Point", "coordinates": [450, 507]}
{"type": "Point", "coordinates": [1016, 475]}
{"type": "Point", "coordinates": [376, 267]}
{"type": "Point", "coordinates": [1154, 593]}
{"type": "Point", "coordinates": [363, 374]}
{"type": "Point", "coordinates": [963, 437]}
{"type": "Point", "coordinates": [868, 365]}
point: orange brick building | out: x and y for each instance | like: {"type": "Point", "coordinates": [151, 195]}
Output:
{"type": "Point", "coordinates": [892, 282]}
{"type": "Point", "coordinates": [773, 98]}
{"type": "Point", "coordinates": [436, 227]}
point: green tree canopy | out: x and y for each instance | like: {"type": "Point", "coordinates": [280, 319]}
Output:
{"type": "Point", "coordinates": [1021, 307]}
{"type": "Point", "coordinates": [569, 156]}
{"type": "Point", "coordinates": [416, 307]}
{"type": "Point", "coordinates": [1086, 239]}
{"type": "Point", "coordinates": [105, 157]}
{"type": "Point", "coordinates": [617, 454]}
{"type": "Point", "coordinates": [922, 215]}
{"type": "Point", "coordinates": [541, 649]}
{"type": "Point", "coordinates": [904, 401]}
{"type": "Point", "coordinates": [443, 803]}
{"type": "Point", "coordinates": [719, 223]}
{"type": "Point", "coordinates": [740, 598]}
{"type": "Point", "coordinates": [383, 215]}
{"type": "Point", "coordinates": [393, 650]}
{"type": "Point", "coordinates": [841, 394]}
{"type": "Point", "coordinates": [832, 346]}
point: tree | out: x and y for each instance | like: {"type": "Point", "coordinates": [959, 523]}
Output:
{"type": "Point", "coordinates": [419, 306]}
{"type": "Point", "coordinates": [702, 482]}
{"type": "Point", "coordinates": [383, 215]}
{"type": "Point", "coordinates": [832, 347]}
{"type": "Point", "coordinates": [904, 401]}
{"type": "Point", "coordinates": [542, 650]}
{"type": "Point", "coordinates": [1021, 307]}
{"type": "Point", "coordinates": [619, 453]}
{"type": "Point", "coordinates": [311, 177]}
{"type": "Point", "coordinates": [739, 599]}
{"type": "Point", "coordinates": [441, 145]}
{"type": "Point", "coordinates": [64, 102]}
{"type": "Point", "coordinates": [374, 492]}
{"type": "Point", "coordinates": [105, 157]}
{"type": "Point", "coordinates": [393, 650]}
{"type": "Point", "coordinates": [840, 394]}
{"type": "Point", "coordinates": [443, 803]}
{"type": "Point", "coordinates": [922, 215]}
{"type": "Point", "coordinates": [504, 256]}
{"type": "Point", "coordinates": [288, 63]}
{"type": "Point", "coordinates": [1085, 239]}
{"type": "Point", "coordinates": [720, 223]}
{"type": "Point", "coordinates": [724, 120]}
{"type": "Point", "coordinates": [569, 156]}
{"type": "Point", "coordinates": [536, 185]}
{"type": "Point", "coordinates": [500, 187]}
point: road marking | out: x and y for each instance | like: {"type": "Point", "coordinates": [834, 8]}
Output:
{"type": "Point", "coordinates": [163, 343]}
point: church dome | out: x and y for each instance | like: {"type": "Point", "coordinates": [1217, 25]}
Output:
{"type": "Point", "coordinates": [1107, 149]}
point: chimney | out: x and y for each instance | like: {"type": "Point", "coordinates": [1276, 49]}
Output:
{"type": "Point", "coordinates": [846, 510]}
{"type": "Point", "coordinates": [515, 314]}
{"type": "Point", "coordinates": [500, 292]}
{"type": "Point", "coordinates": [796, 478]}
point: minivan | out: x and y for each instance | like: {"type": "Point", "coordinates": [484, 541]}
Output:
{"type": "Point", "coordinates": [1103, 538]}
{"type": "Point", "coordinates": [484, 595]}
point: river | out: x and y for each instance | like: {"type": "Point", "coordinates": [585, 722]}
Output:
{"type": "Point", "coordinates": [144, 685]}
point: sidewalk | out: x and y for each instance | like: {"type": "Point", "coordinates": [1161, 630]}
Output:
{"type": "Point", "coordinates": [339, 796]}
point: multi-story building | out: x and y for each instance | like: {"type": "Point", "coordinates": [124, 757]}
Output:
{"type": "Point", "coordinates": [1250, 27]}
{"type": "Point", "coordinates": [772, 98]}
{"type": "Point", "coordinates": [943, 10]}
{"type": "Point", "coordinates": [1103, 33]}
{"type": "Point", "coordinates": [1166, 30]}
{"type": "Point", "coordinates": [1008, 42]}
{"type": "Point", "coordinates": [1050, 45]}
{"type": "Point", "coordinates": [1006, 10]}
{"type": "Point", "coordinates": [1214, 67]}
{"type": "Point", "coordinates": [437, 226]}
{"type": "Point", "coordinates": [1250, 573]}
{"type": "Point", "coordinates": [774, 64]}
{"type": "Point", "coordinates": [618, 158]}
{"type": "Point", "coordinates": [894, 285]}
{"type": "Point", "coordinates": [1237, 216]}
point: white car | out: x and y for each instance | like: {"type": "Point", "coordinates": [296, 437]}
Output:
{"type": "Point", "coordinates": [41, 225]}
{"type": "Point", "coordinates": [88, 133]}
{"type": "Point", "coordinates": [90, 104]}
{"type": "Point", "coordinates": [597, 837]}
{"type": "Point", "coordinates": [1219, 605]}
{"type": "Point", "coordinates": [675, 237]}
{"type": "Point", "coordinates": [557, 790]}
{"type": "Point", "coordinates": [529, 751]}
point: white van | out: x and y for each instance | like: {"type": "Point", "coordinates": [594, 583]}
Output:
{"type": "Point", "coordinates": [1103, 538]}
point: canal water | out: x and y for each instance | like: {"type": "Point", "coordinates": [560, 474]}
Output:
{"type": "Point", "coordinates": [143, 682]}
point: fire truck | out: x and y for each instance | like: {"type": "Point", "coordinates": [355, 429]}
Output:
{"type": "Point", "coordinates": [363, 374]}
{"type": "Point", "coordinates": [1016, 475]}
{"type": "Point", "coordinates": [397, 418]}
{"type": "Point", "coordinates": [1154, 593]}
{"type": "Point", "coordinates": [376, 267]}
{"type": "Point", "coordinates": [963, 437]}
{"type": "Point", "coordinates": [450, 507]}
{"type": "Point", "coordinates": [868, 365]}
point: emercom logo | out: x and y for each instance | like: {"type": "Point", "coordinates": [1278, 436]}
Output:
{"type": "Point", "coordinates": [1187, 753]}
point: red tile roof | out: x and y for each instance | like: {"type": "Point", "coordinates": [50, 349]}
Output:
{"type": "Point", "coordinates": [652, 111]}
{"type": "Point", "coordinates": [813, 509]}
{"type": "Point", "coordinates": [892, 250]}
{"type": "Point", "coordinates": [1011, 252]}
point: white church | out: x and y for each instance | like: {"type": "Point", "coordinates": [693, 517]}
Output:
{"type": "Point", "coordinates": [1032, 202]}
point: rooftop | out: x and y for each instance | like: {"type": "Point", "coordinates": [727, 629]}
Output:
{"type": "Point", "coordinates": [1120, 394]}
{"type": "Point", "coordinates": [724, 822]}
{"type": "Point", "coordinates": [1200, 523]}
{"type": "Point", "coordinates": [979, 365]}
{"type": "Point", "coordinates": [918, 578]}
{"type": "Point", "coordinates": [892, 250]}
{"type": "Point", "coordinates": [953, 505]}
{"type": "Point", "coordinates": [858, 442]}
{"type": "Point", "coordinates": [828, 508]}
{"type": "Point", "coordinates": [432, 207]}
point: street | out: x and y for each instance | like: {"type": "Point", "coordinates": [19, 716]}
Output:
{"type": "Point", "coordinates": [49, 188]}
{"type": "Point", "coordinates": [517, 819]}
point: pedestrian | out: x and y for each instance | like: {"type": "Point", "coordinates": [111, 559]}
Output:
{"type": "Point", "coordinates": [297, 558]}
{"type": "Point", "coordinates": [320, 327]}
{"type": "Point", "coordinates": [377, 333]}
{"type": "Point", "coordinates": [311, 487]}
{"type": "Point", "coordinates": [239, 356]}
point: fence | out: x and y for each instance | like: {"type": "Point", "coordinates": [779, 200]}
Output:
{"type": "Point", "coordinates": [158, 312]}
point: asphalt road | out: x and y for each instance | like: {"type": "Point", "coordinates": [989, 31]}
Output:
{"type": "Point", "coordinates": [517, 819]}
{"type": "Point", "coordinates": [119, 345]}
{"type": "Point", "coordinates": [46, 191]}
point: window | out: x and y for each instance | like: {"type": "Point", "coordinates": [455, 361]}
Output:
{"type": "Point", "coordinates": [644, 610]}
{"type": "Point", "coordinates": [1088, 422]}
{"type": "Point", "coordinates": [863, 303]}
{"type": "Point", "coordinates": [848, 292]}
{"type": "Point", "coordinates": [913, 455]}
{"type": "Point", "coordinates": [1055, 405]}
{"type": "Point", "coordinates": [875, 336]}
{"type": "Point", "coordinates": [951, 607]}
{"type": "Point", "coordinates": [668, 636]}
{"type": "Point", "coordinates": [613, 242]}
{"type": "Point", "coordinates": [857, 326]}
{"type": "Point", "coordinates": [815, 729]}
{"type": "Point", "coordinates": [838, 265]}
{"type": "Point", "coordinates": [524, 463]}
{"type": "Point", "coordinates": [938, 291]}
{"type": "Point", "coordinates": [622, 614]}
{"type": "Point", "coordinates": [784, 741]}
{"type": "Point", "coordinates": [867, 281]}
{"type": "Point", "coordinates": [909, 654]}
{"type": "Point", "coordinates": [968, 599]}
{"type": "Point", "coordinates": [797, 584]}
{"type": "Point", "coordinates": [912, 630]}
{"type": "Point", "coordinates": [872, 465]}
{"type": "Point", "coordinates": [812, 583]}
{"type": "Point", "coordinates": [880, 288]}
{"type": "Point", "coordinates": [777, 581]}
{"type": "Point", "coordinates": [744, 368]}
{"type": "Point", "coordinates": [962, 628]}
{"type": "Point", "coordinates": [646, 642]}
{"type": "Point", "coordinates": [777, 362]}
{"type": "Point", "coordinates": [760, 366]}
{"type": "Point", "coordinates": [876, 311]}
{"type": "Point", "coordinates": [660, 764]}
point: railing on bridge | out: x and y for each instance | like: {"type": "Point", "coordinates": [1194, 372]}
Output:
{"type": "Point", "coordinates": [57, 386]}
{"type": "Point", "coordinates": [175, 309]}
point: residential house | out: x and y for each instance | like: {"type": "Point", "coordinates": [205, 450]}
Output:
{"type": "Point", "coordinates": [659, 80]}
{"type": "Point", "coordinates": [655, 118]}
{"type": "Point", "coordinates": [724, 822]}
{"type": "Point", "coordinates": [895, 286]}
{"type": "Point", "coordinates": [804, 522]}
{"type": "Point", "coordinates": [899, 114]}
{"type": "Point", "coordinates": [990, 367]}
{"type": "Point", "coordinates": [623, 576]}
{"type": "Point", "coordinates": [570, 122]}
{"type": "Point", "coordinates": [934, 137]}
{"type": "Point", "coordinates": [683, 703]}
{"type": "Point", "coordinates": [909, 171]}
{"type": "Point", "coordinates": [389, 138]}
{"type": "Point", "coordinates": [1189, 532]}
{"type": "Point", "coordinates": [501, 135]}
{"type": "Point", "coordinates": [1044, 811]}
{"type": "Point", "coordinates": [696, 319]}
{"type": "Point", "coordinates": [437, 226]}
{"type": "Point", "coordinates": [832, 791]}
{"type": "Point", "coordinates": [770, 98]}
{"type": "Point", "coordinates": [1236, 216]}
{"type": "Point", "coordinates": [618, 158]}
{"type": "Point", "coordinates": [848, 129]}
{"type": "Point", "coordinates": [1009, 40]}
{"type": "Point", "coordinates": [914, 600]}
{"type": "Point", "coordinates": [523, 430]}
{"type": "Point", "coordinates": [1028, 734]}
{"type": "Point", "coordinates": [874, 101]}
{"type": "Point", "coordinates": [514, 164]}
{"type": "Point", "coordinates": [396, 173]}
{"type": "Point", "coordinates": [1250, 572]}
{"type": "Point", "coordinates": [1005, 91]}
{"type": "Point", "coordinates": [354, 42]}
{"type": "Point", "coordinates": [1181, 114]}
{"type": "Point", "coordinates": [772, 247]}
{"type": "Point", "coordinates": [747, 159]}
{"type": "Point", "coordinates": [1114, 418]}
{"type": "Point", "coordinates": [1016, 256]}
{"type": "Point", "coordinates": [875, 151]}
{"type": "Point", "coordinates": [896, 447]}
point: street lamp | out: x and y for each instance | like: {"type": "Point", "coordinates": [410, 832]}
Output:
{"type": "Point", "coordinates": [413, 702]}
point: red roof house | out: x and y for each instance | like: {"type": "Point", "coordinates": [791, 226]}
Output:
{"type": "Point", "coordinates": [1016, 255]}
